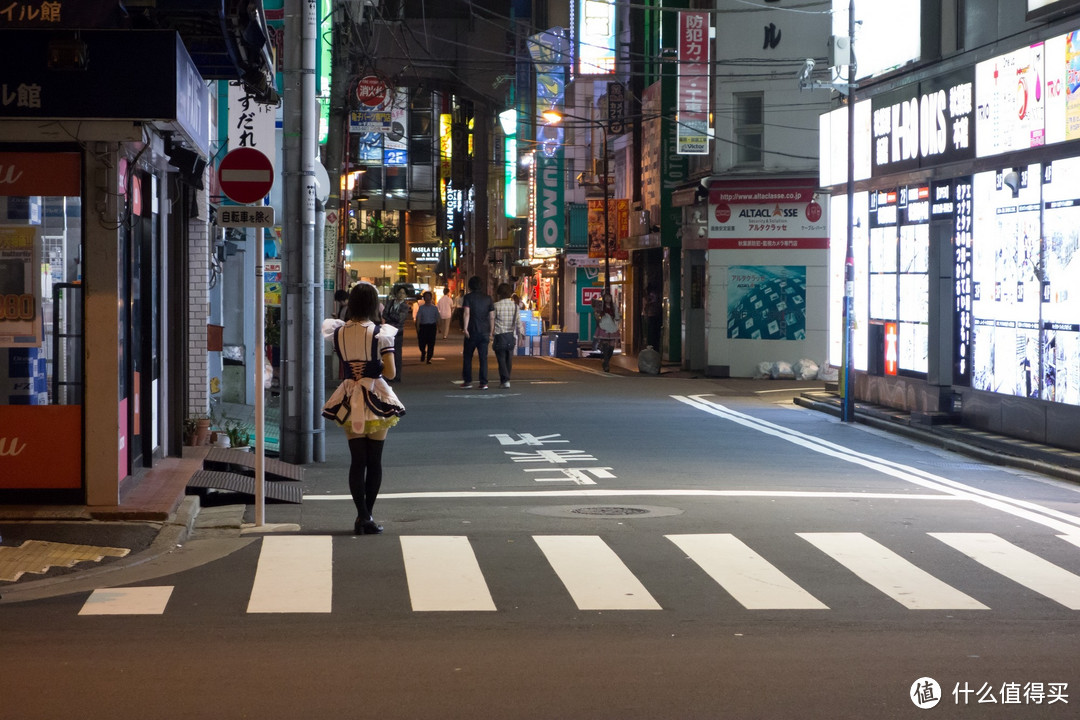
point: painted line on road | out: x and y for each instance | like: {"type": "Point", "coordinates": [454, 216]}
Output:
{"type": "Point", "coordinates": [907, 584]}
{"type": "Point", "coordinates": [444, 575]}
{"type": "Point", "coordinates": [128, 601]}
{"type": "Point", "coordinates": [579, 368]}
{"type": "Point", "coordinates": [593, 574]}
{"type": "Point", "coordinates": [1048, 517]}
{"type": "Point", "coordinates": [751, 579]}
{"type": "Point", "coordinates": [1018, 565]}
{"type": "Point", "coordinates": [294, 575]}
{"type": "Point", "coordinates": [595, 493]}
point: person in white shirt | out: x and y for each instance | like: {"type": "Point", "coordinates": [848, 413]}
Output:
{"type": "Point", "coordinates": [446, 309]}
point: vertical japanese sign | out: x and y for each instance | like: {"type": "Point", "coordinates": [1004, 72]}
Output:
{"type": "Point", "coordinates": [251, 124]}
{"type": "Point", "coordinates": [20, 288]}
{"type": "Point", "coordinates": [693, 103]}
{"type": "Point", "coordinates": [618, 227]}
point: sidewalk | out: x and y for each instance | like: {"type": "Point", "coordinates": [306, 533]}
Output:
{"type": "Point", "coordinates": [157, 514]}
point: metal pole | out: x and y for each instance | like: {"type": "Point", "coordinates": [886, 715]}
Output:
{"type": "Point", "coordinates": [260, 390]}
{"type": "Point", "coordinates": [847, 413]}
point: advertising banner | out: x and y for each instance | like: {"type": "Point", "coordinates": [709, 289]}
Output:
{"type": "Point", "coordinates": [618, 227]}
{"type": "Point", "coordinates": [693, 103]}
{"type": "Point", "coordinates": [28, 443]}
{"type": "Point", "coordinates": [779, 215]}
{"type": "Point", "coordinates": [767, 302]}
{"type": "Point", "coordinates": [20, 287]}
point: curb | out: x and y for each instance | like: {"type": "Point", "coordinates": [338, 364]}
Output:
{"type": "Point", "coordinates": [174, 531]}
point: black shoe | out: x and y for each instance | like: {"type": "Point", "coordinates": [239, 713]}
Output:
{"type": "Point", "coordinates": [369, 527]}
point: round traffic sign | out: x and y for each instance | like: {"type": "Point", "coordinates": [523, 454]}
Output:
{"type": "Point", "coordinates": [245, 175]}
{"type": "Point", "coordinates": [371, 91]}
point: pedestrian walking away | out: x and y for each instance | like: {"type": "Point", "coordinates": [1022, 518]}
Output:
{"type": "Point", "coordinates": [607, 329]}
{"type": "Point", "coordinates": [446, 310]}
{"type": "Point", "coordinates": [478, 315]}
{"type": "Point", "coordinates": [505, 331]}
{"type": "Point", "coordinates": [364, 404]}
{"type": "Point", "coordinates": [395, 313]}
{"type": "Point", "coordinates": [427, 327]}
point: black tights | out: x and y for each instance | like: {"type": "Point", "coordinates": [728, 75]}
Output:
{"type": "Point", "coordinates": [365, 473]}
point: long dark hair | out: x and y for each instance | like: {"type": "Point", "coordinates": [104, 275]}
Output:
{"type": "Point", "coordinates": [364, 302]}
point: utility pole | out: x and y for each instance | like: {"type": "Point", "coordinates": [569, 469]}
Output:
{"type": "Point", "coordinates": [299, 329]}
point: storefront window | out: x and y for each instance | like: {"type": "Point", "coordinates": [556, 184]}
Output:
{"type": "Point", "coordinates": [41, 324]}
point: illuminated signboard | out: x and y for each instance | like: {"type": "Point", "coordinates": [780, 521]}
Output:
{"type": "Point", "coordinates": [693, 92]}
{"type": "Point", "coordinates": [837, 283]}
{"type": "Point", "coordinates": [887, 35]}
{"type": "Point", "coordinates": [1046, 8]}
{"type": "Point", "coordinates": [596, 37]}
{"type": "Point", "coordinates": [924, 124]}
{"type": "Point", "coordinates": [1009, 101]}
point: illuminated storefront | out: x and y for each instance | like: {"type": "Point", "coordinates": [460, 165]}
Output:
{"type": "Point", "coordinates": [966, 239]}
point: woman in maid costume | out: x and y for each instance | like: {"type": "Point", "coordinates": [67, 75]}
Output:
{"type": "Point", "coordinates": [363, 404]}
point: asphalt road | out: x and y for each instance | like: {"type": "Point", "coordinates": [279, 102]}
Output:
{"type": "Point", "coordinates": [586, 545]}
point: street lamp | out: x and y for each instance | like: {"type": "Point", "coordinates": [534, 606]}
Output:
{"type": "Point", "coordinates": [554, 117]}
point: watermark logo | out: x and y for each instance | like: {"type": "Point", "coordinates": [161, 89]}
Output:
{"type": "Point", "coordinates": [925, 693]}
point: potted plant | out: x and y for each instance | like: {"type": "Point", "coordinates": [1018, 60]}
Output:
{"type": "Point", "coordinates": [237, 433]}
{"type": "Point", "coordinates": [196, 429]}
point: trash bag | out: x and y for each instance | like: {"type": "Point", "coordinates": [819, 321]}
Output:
{"type": "Point", "coordinates": [648, 361]}
{"type": "Point", "coordinates": [764, 370]}
{"type": "Point", "coordinates": [805, 369]}
{"type": "Point", "coordinates": [782, 371]}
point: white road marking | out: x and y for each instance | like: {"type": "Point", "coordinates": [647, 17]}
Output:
{"type": "Point", "coordinates": [594, 493]}
{"type": "Point", "coordinates": [294, 575]}
{"type": "Point", "coordinates": [1074, 539]}
{"type": "Point", "coordinates": [593, 574]}
{"type": "Point", "coordinates": [1048, 517]}
{"type": "Point", "coordinates": [128, 601]}
{"type": "Point", "coordinates": [911, 586]}
{"type": "Point", "coordinates": [750, 579]}
{"type": "Point", "coordinates": [443, 574]}
{"type": "Point", "coordinates": [1018, 565]}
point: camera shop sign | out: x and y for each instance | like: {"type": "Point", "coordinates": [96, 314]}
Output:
{"type": "Point", "coordinates": [924, 124]}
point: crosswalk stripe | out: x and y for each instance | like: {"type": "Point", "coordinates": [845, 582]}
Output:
{"type": "Point", "coordinates": [128, 601]}
{"type": "Point", "coordinates": [911, 586]}
{"type": "Point", "coordinates": [443, 574]}
{"type": "Point", "coordinates": [1074, 539]}
{"type": "Point", "coordinates": [747, 576]}
{"type": "Point", "coordinates": [294, 575]}
{"type": "Point", "coordinates": [1017, 564]}
{"type": "Point", "coordinates": [593, 574]}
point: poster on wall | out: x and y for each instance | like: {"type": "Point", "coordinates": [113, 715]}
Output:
{"type": "Point", "coordinates": [767, 302]}
{"type": "Point", "coordinates": [1060, 288]}
{"type": "Point", "coordinates": [20, 287]}
{"type": "Point", "coordinates": [1009, 102]}
{"type": "Point", "coordinates": [1006, 290]}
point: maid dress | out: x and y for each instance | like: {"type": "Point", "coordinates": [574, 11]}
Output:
{"type": "Point", "coordinates": [363, 403]}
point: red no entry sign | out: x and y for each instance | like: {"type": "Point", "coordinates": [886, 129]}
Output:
{"type": "Point", "coordinates": [245, 175]}
{"type": "Point", "coordinates": [371, 91]}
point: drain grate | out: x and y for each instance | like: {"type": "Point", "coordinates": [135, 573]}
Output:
{"type": "Point", "coordinates": [608, 510]}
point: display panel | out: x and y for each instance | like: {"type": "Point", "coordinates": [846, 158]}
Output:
{"type": "Point", "coordinates": [1005, 285]}
{"type": "Point", "coordinates": [1009, 102]}
{"type": "Point", "coordinates": [1061, 281]}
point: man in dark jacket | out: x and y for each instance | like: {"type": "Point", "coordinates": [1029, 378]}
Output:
{"type": "Point", "coordinates": [479, 315]}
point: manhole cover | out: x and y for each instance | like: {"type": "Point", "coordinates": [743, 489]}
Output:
{"type": "Point", "coordinates": [607, 510]}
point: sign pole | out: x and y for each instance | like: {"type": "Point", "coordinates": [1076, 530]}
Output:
{"type": "Point", "coordinates": [260, 388]}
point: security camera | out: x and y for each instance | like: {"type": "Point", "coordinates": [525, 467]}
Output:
{"type": "Point", "coordinates": [807, 69]}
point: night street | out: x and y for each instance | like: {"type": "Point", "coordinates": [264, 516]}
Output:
{"type": "Point", "coordinates": [591, 545]}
